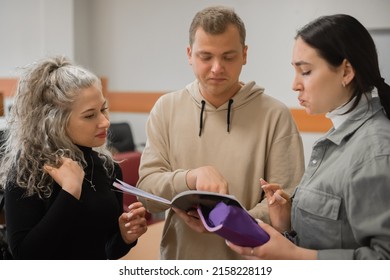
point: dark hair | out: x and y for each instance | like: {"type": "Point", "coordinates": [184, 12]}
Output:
{"type": "Point", "coordinates": [338, 37]}
{"type": "Point", "coordinates": [215, 20]}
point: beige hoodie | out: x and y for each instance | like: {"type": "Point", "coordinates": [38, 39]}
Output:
{"type": "Point", "coordinates": [255, 138]}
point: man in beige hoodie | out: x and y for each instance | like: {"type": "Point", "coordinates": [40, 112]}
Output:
{"type": "Point", "coordinates": [217, 134]}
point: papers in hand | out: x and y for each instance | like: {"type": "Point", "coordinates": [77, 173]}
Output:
{"type": "Point", "coordinates": [186, 200]}
{"type": "Point", "coordinates": [126, 188]}
{"type": "Point", "coordinates": [220, 213]}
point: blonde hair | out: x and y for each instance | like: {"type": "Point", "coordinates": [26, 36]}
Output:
{"type": "Point", "coordinates": [37, 124]}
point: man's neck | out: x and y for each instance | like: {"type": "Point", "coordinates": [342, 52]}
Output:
{"type": "Point", "coordinates": [219, 100]}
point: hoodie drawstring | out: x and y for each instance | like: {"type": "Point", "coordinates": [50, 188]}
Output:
{"type": "Point", "coordinates": [228, 114]}
{"type": "Point", "coordinates": [227, 117]}
{"type": "Point", "coordinates": [201, 118]}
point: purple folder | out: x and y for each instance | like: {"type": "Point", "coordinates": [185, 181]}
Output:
{"type": "Point", "coordinates": [234, 224]}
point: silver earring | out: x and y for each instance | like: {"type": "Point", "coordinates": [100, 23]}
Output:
{"type": "Point", "coordinates": [343, 84]}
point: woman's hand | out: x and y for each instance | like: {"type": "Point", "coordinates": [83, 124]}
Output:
{"type": "Point", "coordinates": [279, 205]}
{"type": "Point", "coordinates": [69, 176]}
{"type": "Point", "coordinates": [277, 248]}
{"type": "Point", "coordinates": [133, 223]}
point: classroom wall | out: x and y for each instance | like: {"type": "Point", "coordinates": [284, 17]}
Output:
{"type": "Point", "coordinates": [141, 45]}
{"type": "Point", "coordinates": [31, 29]}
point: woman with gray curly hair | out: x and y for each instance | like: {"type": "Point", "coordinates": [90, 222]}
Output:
{"type": "Point", "coordinates": [57, 172]}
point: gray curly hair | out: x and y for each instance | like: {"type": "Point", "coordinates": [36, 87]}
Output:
{"type": "Point", "coordinates": [37, 124]}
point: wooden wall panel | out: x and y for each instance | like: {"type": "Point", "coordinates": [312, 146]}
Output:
{"type": "Point", "coordinates": [142, 102]}
{"type": "Point", "coordinates": [8, 86]}
{"type": "Point", "coordinates": [310, 123]}
{"type": "Point", "coordinates": [1, 104]}
{"type": "Point", "coordinates": [138, 102]}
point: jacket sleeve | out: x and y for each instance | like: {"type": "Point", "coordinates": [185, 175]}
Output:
{"type": "Point", "coordinates": [368, 211]}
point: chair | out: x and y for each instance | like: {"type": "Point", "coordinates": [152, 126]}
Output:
{"type": "Point", "coordinates": [129, 164]}
{"type": "Point", "coordinates": [120, 137]}
{"type": "Point", "coordinates": [120, 140]}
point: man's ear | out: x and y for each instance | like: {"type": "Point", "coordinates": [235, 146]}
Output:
{"type": "Point", "coordinates": [349, 72]}
{"type": "Point", "coordinates": [189, 55]}
{"type": "Point", "coordinates": [245, 53]}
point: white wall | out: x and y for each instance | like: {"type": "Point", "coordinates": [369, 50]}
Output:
{"type": "Point", "coordinates": [142, 47]}
{"type": "Point", "coordinates": [141, 44]}
{"type": "Point", "coordinates": [32, 29]}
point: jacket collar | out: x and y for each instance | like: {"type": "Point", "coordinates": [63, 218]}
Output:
{"type": "Point", "coordinates": [363, 112]}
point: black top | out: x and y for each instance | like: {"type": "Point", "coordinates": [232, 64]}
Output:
{"type": "Point", "coordinates": [63, 227]}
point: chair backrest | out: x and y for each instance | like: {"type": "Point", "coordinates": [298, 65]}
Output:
{"type": "Point", "coordinates": [129, 164]}
{"type": "Point", "coordinates": [120, 137]}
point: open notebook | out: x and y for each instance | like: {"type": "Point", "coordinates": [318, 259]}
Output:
{"type": "Point", "coordinates": [220, 213]}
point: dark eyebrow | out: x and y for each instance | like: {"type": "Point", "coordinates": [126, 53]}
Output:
{"type": "Point", "coordinates": [300, 63]}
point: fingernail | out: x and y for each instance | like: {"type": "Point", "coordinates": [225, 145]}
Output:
{"type": "Point", "coordinates": [127, 225]}
{"type": "Point", "coordinates": [278, 197]}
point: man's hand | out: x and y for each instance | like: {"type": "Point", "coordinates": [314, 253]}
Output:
{"type": "Point", "coordinates": [207, 178]}
{"type": "Point", "coordinates": [191, 218]}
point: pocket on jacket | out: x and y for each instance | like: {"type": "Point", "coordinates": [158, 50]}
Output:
{"type": "Point", "coordinates": [320, 203]}
{"type": "Point", "coordinates": [317, 220]}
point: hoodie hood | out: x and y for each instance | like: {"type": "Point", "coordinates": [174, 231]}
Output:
{"type": "Point", "coordinates": [242, 97]}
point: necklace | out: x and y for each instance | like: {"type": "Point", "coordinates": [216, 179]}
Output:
{"type": "Point", "coordinates": [90, 181]}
